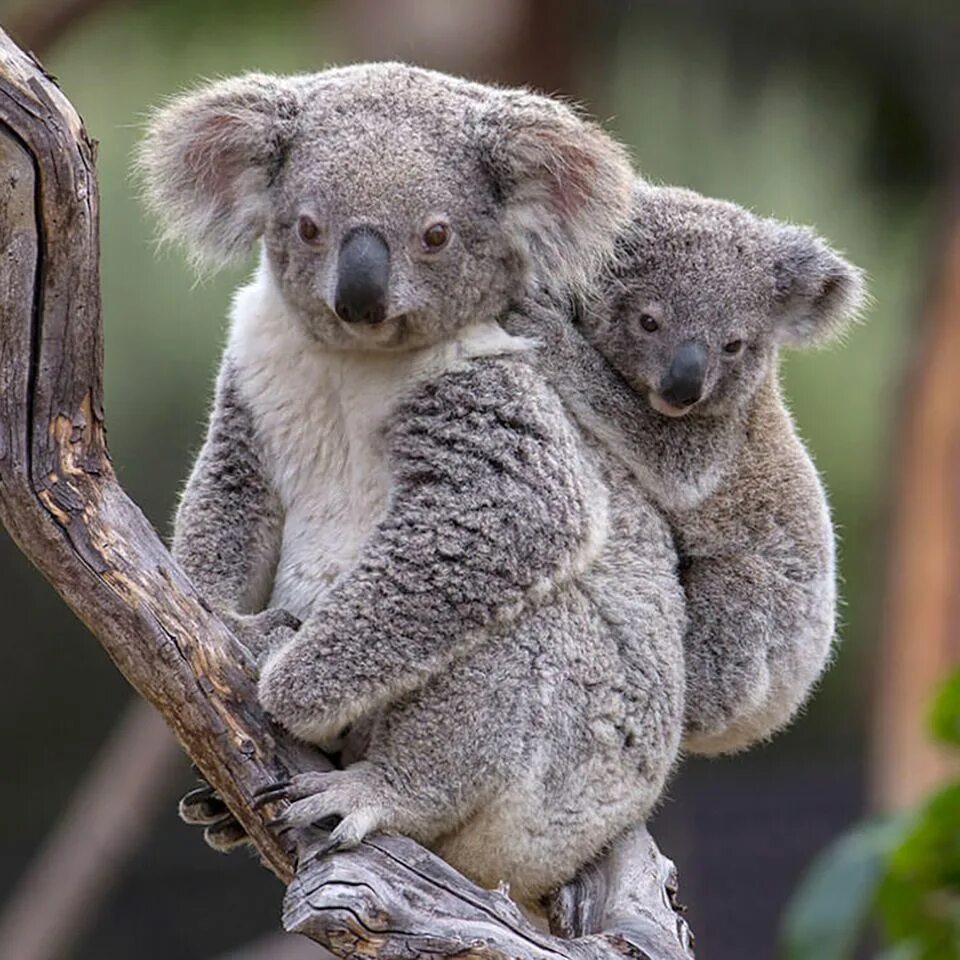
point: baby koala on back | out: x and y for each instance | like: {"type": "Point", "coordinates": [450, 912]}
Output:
{"type": "Point", "coordinates": [703, 296]}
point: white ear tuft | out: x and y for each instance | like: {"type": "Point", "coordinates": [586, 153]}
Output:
{"type": "Point", "coordinates": [209, 157]}
{"type": "Point", "coordinates": [565, 183]}
{"type": "Point", "coordinates": [821, 293]}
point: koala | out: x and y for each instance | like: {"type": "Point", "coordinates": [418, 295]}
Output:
{"type": "Point", "coordinates": [392, 506]}
{"type": "Point", "coordinates": [674, 361]}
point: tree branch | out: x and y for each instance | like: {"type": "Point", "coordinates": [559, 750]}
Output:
{"type": "Point", "coordinates": [61, 502]}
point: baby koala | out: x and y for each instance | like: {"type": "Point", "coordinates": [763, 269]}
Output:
{"type": "Point", "coordinates": [690, 323]}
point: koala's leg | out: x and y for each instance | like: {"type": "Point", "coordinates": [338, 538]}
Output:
{"type": "Point", "coordinates": [519, 764]}
{"type": "Point", "coordinates": [756, 643]}
{"type": "Point", "coordinates": [431, 759]}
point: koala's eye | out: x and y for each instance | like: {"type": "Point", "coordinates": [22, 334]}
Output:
{"type": "Point", "coordinates": [649, 323]}
{"type": "Point", "coordinates": [436, 236]}
{"type": "Point", "coordinates": [733, 347]}
{"type": "Point", "coordinates": [307, 230]}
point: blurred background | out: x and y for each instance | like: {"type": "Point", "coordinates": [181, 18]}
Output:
{"type": "Point", "coordinates": [841, 115]}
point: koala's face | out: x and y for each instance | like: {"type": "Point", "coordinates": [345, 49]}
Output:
{"type": "Point", "coordinates": [702, 295]}
{"type": "Point", "coordinates": [395, 205]}
{"type": "Point", "coordinates": [386, 231]}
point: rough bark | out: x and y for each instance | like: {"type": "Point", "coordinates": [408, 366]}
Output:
{"type": "Point", "coordinates": [61, 502]}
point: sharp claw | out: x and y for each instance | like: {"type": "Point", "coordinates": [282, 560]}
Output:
{"type": "Point", "coordinates": [271, 797]}
{"type": "Point", "coordinates": [269, 793]}
{"type": "Point", "coordinates": [205, 792]}
{"type": "Point", "coordinates": [201, 806]}
{"type": "Point", "coordinates": [275, 785]}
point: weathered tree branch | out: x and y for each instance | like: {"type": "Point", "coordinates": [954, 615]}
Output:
{"type": "Point", "coordinates": [61, 502]}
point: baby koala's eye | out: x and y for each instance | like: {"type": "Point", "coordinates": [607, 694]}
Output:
{"type": "Point", "coordinates": [649, 323]}
{"type": "Point", "coordinates": [436, 236]}
{"type": "Point", "coordinates": [733, 347]}
{"type": "Point", "coordinates": [308, 230]}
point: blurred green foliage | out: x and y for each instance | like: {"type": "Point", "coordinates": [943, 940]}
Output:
{"type": "Point", "coordinates": [903, 872]}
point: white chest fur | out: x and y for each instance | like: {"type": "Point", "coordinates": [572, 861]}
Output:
{"type": "Point", "coordinates": [319, 416]}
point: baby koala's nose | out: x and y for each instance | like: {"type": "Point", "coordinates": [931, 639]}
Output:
{"type": "Point", "coordinates": [363, 275]}
{"type": "Point", "coordinates": [683, 384]}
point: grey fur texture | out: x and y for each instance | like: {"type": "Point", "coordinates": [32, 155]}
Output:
{"type": "Point", "coordinates": [487, 603]}
{"type": "Point", "coordinates": [526, 183]}
{"type": "Point", "coordinates": [742, 496]}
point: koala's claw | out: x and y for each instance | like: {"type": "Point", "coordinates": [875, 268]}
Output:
{"type": "Point", "coordinates": [202, 806]}
{"type": "Point", "coordinates": [348, 833]}
{"type": "Point", "coordinates": [270, 793]}
{"type": "Point", "coordinates": [320, 799]}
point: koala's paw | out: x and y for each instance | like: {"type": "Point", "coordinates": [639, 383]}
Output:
{"type": "Point", "coordinates": [264, 631]}
{"type": "Point", "coordinates": [309, 698]}
{"type": "Point", "coordinates": [203, 807]}
{"type": "Point", "coordinates": [358, 796]}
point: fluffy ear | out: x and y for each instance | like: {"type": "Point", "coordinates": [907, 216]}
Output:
{"type": "Point", "coordinates": [821, 293]}
{"type": "Point", "coordinates": [565, 184]}
{"type": "Point", "coordinates": [208, 159]}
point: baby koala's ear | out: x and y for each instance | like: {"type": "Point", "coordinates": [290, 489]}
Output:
{"type": "Point", "coordinates": [821, 293]}
{"type": "Point", "coordinates": [565, 184]}
{"type": "Point", "coordinates": [208, 159]}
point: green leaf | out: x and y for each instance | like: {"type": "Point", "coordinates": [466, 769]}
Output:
{"type": "Point", "coordinates": [828, 911]}
{"type": "Point", "coordinates": [919, 898]}
{"type": "Point", "coordinates": [945, 715]}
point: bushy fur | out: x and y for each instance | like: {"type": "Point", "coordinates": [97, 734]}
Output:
{"type": "Point", "coordinates": [747, 509]}
{"type": "Point", "coordinates": [486, 602]}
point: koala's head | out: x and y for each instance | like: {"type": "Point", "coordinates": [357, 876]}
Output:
{"type": "Point", "coordinates": [703, 293]}
{"type": "Point", "coordinates": [396, 205]}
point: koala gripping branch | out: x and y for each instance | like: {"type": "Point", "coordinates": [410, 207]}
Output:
{"type": "Point", "coordinates": [61, 503]}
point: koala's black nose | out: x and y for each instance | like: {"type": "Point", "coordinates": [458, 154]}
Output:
{"type": "Point", "coordinates": [363, 273]}
{"type": "Point", "coordinates": [683, 384]}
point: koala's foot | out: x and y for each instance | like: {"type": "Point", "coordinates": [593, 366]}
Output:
{"type": "Point", "coordinates": [204, 807]}
{"type": "Point", "coordinates": [201, 806]}
{"type": "Point", "coordinates": [358, 796]}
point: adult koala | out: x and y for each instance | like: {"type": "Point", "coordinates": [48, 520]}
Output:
{"type": "Point", "coordinates": [477, 587]}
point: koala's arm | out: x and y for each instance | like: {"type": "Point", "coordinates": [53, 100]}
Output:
{"type": "Point", "coordinates": [229, 522]}
{"type": "Point", "coordinates": [760, 603]}
{"type": "Point", "coordinates": [492, 503]}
